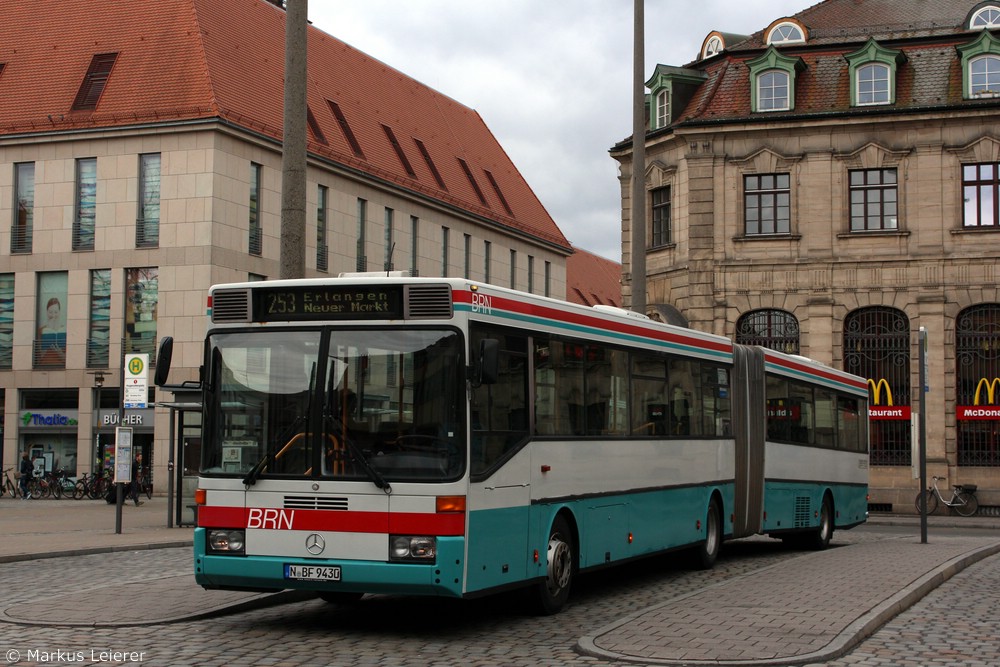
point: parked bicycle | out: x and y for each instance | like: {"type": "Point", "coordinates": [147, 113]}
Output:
{"type": "Point", "coordinates": [62, 484]}
{"type": "Point", "coordinates": [963, 498]}
{"type": "Point", "coordinates": [7, 485]}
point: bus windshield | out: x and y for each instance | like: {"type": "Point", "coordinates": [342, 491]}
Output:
{"type": "Point", "coordinates": [359, 404]}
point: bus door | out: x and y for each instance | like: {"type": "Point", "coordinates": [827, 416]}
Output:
{"type": "Point", "coordinates": [749, 428]}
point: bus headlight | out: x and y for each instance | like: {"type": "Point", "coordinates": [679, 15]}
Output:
{"type": "Point", "coordinates": [227, 541]}
{"type": "Point", "coordinates": [412, 548]}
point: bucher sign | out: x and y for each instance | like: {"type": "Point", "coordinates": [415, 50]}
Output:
{"type": "Point", "coordinates": [985, 389]}
{"type": "Point", "coordinates": [877, 409]}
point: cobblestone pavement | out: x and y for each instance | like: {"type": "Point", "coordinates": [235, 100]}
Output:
{"type": "Point", "coordinates": [384, 630]}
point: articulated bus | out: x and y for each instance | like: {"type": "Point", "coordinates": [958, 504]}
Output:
{"type": "Point", "coordinates": [438, 436]}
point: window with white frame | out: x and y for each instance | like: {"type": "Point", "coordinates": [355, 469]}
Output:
{"type": "Point", "coordinates": [985, 17]}
{"type": "Point", "coordinates": [984, 76]}
{"type": "Point", "coordinates": [872, 84]}
{"type": "Point", "coordinates": [663, 108]}
{"type": "Point", "coordinates": [713, 46]}
{"type": "Point", "coordinates": [785, 33]}
{"type": "Point", "coordinates": [772, 91]}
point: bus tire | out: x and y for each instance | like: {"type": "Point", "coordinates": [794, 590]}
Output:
{"type": "Point", "coordinates": [706, 553]}
{"type": "Point", "coordinates": [819, 539]}
{"type": "Point", "coordinates": [339, 597]}
{"type": "Point", "coordinates": [552, 592]}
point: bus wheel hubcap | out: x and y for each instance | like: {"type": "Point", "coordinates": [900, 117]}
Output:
{"type": "Point", "coordinates": [559, 568]}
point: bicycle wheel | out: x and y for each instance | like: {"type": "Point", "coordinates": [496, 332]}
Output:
{"type": "Point", "coordinates": [79, 490]}
{"type": "Point", "coordinates": [35, 489]}
{"type": "Point", "coordinates": [966, 504]}
{"type": "Point", "coordinates": [148, 488]}
{"type": "Point", "coordinates": [931, 499]}
{"type": "Point", "coordinates": [55, 489]}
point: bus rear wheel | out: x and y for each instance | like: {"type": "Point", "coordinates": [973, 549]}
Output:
{"type": "Point", "coordinates": [819, 539]}
{"type": "Point", "coordinates": [552, 592]}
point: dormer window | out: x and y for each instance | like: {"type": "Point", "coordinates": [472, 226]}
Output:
{"type": "Point", "coordinates": [670, 89]}
{"type": "Point", "coordinates": [981, 67]}
{"type": "Point", "coordinates": [873, 74]}
{"type": "Point", "coordinates": [786, 32]}
{"type": "Point", "coordinates": [712, 46]}
{"type": "Point", "coordinates": [985, 17]}
{"type": "Point", "coordinates": [772, 91]}
{"type": "Point", "coordinates": [772, 77]}
{"type": "Point", "coordinates": [662, 108]}
{"type": "Point", "coordinates": [984, 76]}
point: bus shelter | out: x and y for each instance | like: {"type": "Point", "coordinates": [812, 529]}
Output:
{"type": "Point", "coordinates": [184, 455]}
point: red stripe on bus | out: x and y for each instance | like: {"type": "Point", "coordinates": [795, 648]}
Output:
{"type": "Point", "coordinates": [502, 303]}
{"type": "Point", "coordinates": [274, 518]}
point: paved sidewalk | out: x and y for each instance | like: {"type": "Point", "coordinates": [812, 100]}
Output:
{"type": "Point", "coordinates": [809, 608]}
{"type": "Point", "coordinates": [812, 608]}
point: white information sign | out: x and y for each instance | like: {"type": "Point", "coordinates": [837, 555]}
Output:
{"type": "Point", "coordinates": [136, 381]}
{"type": "Point", "coordinates": [123, 455]}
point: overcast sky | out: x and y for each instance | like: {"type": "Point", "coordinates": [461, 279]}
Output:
{"type": "Point", "coordinates": [552, 79]}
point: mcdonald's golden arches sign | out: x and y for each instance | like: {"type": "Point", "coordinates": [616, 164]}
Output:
{"type": "Point", "coordinates": [881, 406]}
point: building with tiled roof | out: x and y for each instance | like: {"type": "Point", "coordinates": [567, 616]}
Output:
{"type": "Point", "coordinates": [140, 163]}
{"type": "Point", "coordinates": [592, 280]}
{"type": "Point", "coordinates": [829, 186]}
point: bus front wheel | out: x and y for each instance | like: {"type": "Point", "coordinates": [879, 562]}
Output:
{"type": "Point", "coordinates": [553, 591]}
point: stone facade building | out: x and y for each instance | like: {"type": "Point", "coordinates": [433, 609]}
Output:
{"type": "Point", "coordinates": [829, 186]}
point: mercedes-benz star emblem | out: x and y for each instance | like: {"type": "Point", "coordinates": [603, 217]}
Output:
{"type": "Point", "coordinates": [315, 544]}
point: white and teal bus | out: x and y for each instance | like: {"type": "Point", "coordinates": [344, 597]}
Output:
{"type": "Point", "coordinates": [438, 436]}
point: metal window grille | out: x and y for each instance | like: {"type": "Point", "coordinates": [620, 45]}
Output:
{"type": "Point", "coordinates": [877, 347]}
{"type": "Point", "coordinates": [977, 358]}
{"type": "Point", "coordinates": [770, 328]}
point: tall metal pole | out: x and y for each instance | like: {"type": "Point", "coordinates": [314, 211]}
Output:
{"type": "Point", "coordinates": [923, 432]}
{"type": "Point", "coordinates": [638, 227]}
{"type": "Point", "coordinates": [293, 156]}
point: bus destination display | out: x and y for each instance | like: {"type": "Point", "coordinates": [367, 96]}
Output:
{"type": "Point", "coordinates": [324, 302]}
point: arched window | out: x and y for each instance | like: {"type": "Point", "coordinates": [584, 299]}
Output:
{"type": "Point", "coordinates": [785, 33]}
{"type": "Point", "coordinates": [984, 75]}
{"type": "Point", "coordinates": [877, 347]}
{"type": "Point", "coordinates": [873, 84]}
{"type": "Point", "coordinates": [977, 387]}
{"type": "Point", "coordinates": [986, 17]}
{"type": "Point", "coordinates": [770, 328]}
{"type": "Point", "coordinates": [713, 46]}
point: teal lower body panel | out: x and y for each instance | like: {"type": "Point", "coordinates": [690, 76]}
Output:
{"type": "Point", "coordinates": [796, 505]}
{"type": "Point", "coordinates": [443, 578]}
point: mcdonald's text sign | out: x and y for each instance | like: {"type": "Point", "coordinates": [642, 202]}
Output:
{"type": "Point", "coordinates": [978, 410]}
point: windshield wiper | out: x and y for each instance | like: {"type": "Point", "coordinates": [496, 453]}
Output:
{"type": "Point", "coordinates": [374, 475]}
{"type": "Point", "coordinates": [251, 477]}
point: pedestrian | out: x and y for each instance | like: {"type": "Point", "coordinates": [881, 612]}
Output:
{"type": "Point", "coordinates": [136, 475]}
{"type": "Point", "coordinates": [27, 471]}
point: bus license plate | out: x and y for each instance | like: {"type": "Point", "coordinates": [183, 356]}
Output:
{"type": "Point", "coordinates": [313, 572]}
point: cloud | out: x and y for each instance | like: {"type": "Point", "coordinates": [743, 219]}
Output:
{"type": "Point", "coordinates": [552, 80]}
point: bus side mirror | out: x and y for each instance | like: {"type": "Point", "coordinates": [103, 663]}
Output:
{"type": "Point", "coordinates": [488, 368]}
{"type": "Point", "coordinates": [163, 360]}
